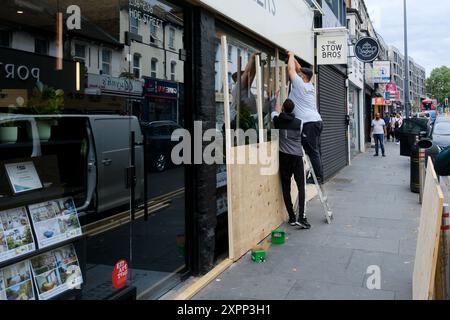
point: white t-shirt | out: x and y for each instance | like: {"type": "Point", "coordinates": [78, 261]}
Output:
{"type": "Point", "coordinates": [304, 97]}
{"type": "Point", "coordinates": [378, 126]}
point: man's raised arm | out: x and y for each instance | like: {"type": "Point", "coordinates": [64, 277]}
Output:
{"type": "Point", "coordinates": [292, 66]}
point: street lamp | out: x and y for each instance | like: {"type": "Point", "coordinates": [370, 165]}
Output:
{"type": "Point", "coordinates": [407, 97]}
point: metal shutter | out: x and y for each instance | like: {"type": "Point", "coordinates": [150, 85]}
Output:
{"type": "Point", "coordinates": [332, 107]}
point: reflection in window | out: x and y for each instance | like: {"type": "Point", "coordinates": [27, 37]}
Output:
{"type": "Point", "coordinates": [5, 38]}
{"type": "Point", "coordinates": [153, 33]}
{"type": "Point", "coordinates": [41, 46]}
{"type": "Point", "coordinates": [173, 67]}
{"type": "Point", "coordinates": [137, 65]}
{"type": "Point", "coordinates": [106, 61]}
{"type": "Point", "coordinates": [80, 52]}
{"type": "Point", "coordinates": [134, 25]}
{"type": "Point", "coordinates": [172, 38]}
{"type": "Point", "coordinates": [154, 68]}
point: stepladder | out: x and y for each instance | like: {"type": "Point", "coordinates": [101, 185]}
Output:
{"type": "Point", "coordinates": [320, 191]}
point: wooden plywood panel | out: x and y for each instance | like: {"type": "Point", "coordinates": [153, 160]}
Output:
{"type": "Point", "coordinates": [428, 239]}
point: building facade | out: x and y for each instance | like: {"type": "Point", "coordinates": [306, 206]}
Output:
{"type": "Point", "coordinates": [91, 93]}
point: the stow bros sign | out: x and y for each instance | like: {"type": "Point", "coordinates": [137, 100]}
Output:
{"type": "Point", "coordinates": [332, 49]}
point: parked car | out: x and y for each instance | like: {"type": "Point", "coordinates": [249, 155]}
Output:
{"type": "Point", "coordinates": [159, 143]}
{"type": "Point", "coordinates": [83, 156]}
{"type": "Point", "coordinates": [441, 132]}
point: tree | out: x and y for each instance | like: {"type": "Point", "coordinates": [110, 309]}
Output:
{"type": "Point", "coordinates": [438, 84]}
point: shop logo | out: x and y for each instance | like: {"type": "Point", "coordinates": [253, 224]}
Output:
{"type": "Point", "coordinates": [367, 49]}
{"type": "Point", "coordinates": [73, 22]}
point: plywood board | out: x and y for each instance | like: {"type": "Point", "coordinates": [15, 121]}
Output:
{"type": "Point", "coordinates": [257, 205]}
{"type": "Point", "coordinates": [428, 239]}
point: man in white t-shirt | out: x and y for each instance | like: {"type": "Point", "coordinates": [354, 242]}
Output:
{"type": "Point", "coordinates": [303, 95]}
{"type": "Point", "coordinates": [379, 132]}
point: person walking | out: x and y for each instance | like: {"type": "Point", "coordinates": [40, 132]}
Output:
{"type": "Point", "coordinates": [387, 121]}
{"type": "Point", "coordinates": [379, 132]}
{"type": "Point", "coordinates": [291, 161]}
{"type": "Point", "coordinates": [303, 94]}
{"type": "Point", "coordinates": [398, 125]}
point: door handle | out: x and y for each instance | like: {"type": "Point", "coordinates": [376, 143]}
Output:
{"type": "Point", "coordinates": [107, 162]}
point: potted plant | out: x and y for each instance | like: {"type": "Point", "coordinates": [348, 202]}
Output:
{"type": "Point", "coordinates": [8, 132]}
{"type": "Point", "coordinates": [46, 100]}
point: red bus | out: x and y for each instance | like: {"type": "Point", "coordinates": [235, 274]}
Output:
{"type": "Point", "coordinates": [428, 105]}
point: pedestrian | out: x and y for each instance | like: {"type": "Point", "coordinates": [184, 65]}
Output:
{"type": "Point", "coordinates": [387, 121]}
{"type": "Point", "coordinates": [398, 124]}
{"type": "Point", "coordinates": [379, 132]}
{"type": "Point", "coordinates": [392, 124]}
{"type": "Point", "coordinates": [291, 161]}
{"type": "Point", "coordinates": [303, 94]}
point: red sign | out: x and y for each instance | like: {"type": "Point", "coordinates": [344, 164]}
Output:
{"type": "Point", "coordinates": [379, 101]}
{"type": "Point", "coordinates": [120, 274]}
{"type": "Point", "coordinates": [391, 87]}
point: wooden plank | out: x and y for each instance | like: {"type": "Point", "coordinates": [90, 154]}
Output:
{"type": "Point", "coordinates": [202, 282]}
{"type": "Point", "coordinates": [428, 240]}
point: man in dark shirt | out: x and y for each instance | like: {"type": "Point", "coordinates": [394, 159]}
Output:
{"type": "Point", "coordinates": [291, 161]}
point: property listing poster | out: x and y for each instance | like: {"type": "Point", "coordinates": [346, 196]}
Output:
{"type": "Point", "coordinates": [16, 238]}
{"type": "Point", "coordinates": [56, 272]}
{"type": "Point", "coordinates": [55, 221]}
{"type": "Point", "coordinates": [16, 282]}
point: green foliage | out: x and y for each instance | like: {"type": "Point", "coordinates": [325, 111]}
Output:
{"type": "Point", "coordinates": [46, 99]}
{"type": "Point", "coordinates": [438, 84]}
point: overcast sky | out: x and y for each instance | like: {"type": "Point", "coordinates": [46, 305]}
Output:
{"type": "Point", "coordinates": [428, 28]}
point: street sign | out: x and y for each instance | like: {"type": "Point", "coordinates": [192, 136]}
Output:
{"type": "Point", "coordinates": [367, 49]}
{"type": "Point", "coordinates": [381, 72]}
{"type": "Point", "coordinates": [332, 49]}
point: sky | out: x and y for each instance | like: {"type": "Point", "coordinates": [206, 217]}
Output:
{"type": "Point", "coordinates": [428, 28]}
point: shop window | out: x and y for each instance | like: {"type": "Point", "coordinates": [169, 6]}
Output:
{"type": "Point", "coordinates": [172, 38]}
{"type": "Point", "coordinates": [230, 54]}
{"type": "Point", "coordinates": [5, 38]}
{"type": "Point", "coordinates": [106, 61]}
{"type": "Point", "coordinates": [154, 68]}
{"type": "Point", "coordinates": [134, 25]}
{"type": "Point", "coordinates": [80, 52]}
{"type": "Point", "coordinates": [137, 65]}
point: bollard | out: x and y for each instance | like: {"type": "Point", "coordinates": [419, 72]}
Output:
{"type": "Point", "coordinates": [422, 172]}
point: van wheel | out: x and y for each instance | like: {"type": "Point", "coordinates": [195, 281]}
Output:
{"type": "Point", "coordinates": [161, 163]}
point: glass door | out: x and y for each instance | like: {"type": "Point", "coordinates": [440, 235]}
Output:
{"type": "Point", "coordinates": [157, 202]}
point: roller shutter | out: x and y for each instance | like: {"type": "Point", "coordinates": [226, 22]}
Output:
{"type": "Point", "coordinates": [332, 106]}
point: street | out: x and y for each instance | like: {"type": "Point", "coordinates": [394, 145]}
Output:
{"type": "Point", "coordinates": [376, 223]}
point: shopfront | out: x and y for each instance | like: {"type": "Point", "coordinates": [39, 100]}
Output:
{"type": "Point", "coordinates": [86, 209]}
{"type": "Point", "coordinates": [91, 204]}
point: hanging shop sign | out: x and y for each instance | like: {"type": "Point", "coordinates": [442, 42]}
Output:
{"type": "Point", "coordinates": [154, 88]}
{"type": "Point", "coordinates": [286, 23]}
{"type": "Point", "coordinates": [367, 49]}
{"type": "Point", "coordinates": [113, 85]}
{"type": "Point", "coordinates": [381, 71]}
{"type": "Point", "coordinates": [332, 49]}
{"type": "Point", "coordinates": [391, 87]}
{"type": "Point", "coordinates": [378, 101]}
{"type": "Point", "coordinates": [20, 69]}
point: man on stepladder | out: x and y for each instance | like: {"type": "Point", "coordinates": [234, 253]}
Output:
{"type": "Point", "coordinates": [303, 95]}
{"type": "Point", "coordinates": [291, 161]}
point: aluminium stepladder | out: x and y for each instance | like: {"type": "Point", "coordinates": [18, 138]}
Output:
{"type": "Point", "coordinates": [322, 195]}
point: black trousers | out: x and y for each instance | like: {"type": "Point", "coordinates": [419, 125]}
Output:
{"type": "Point", "coordinates": [292, 165]}
{"type": "Point", "coordinates": [311, 143]}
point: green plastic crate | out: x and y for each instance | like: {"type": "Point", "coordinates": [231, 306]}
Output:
{"type": "Point", "coordinates": [278, 237]}
{"type": "Point", "coordinates": [258, 256]}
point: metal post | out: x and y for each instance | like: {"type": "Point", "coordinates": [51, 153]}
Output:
{"type": "Point", "coordinates": [406, 86]}
{"type": "Point", "coordinates": [443, 271]}
{"type": "Point", "coordinates": [422, 172]}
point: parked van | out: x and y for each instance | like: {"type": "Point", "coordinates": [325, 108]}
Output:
{"type": "Point", "coordinates": [82, 156]}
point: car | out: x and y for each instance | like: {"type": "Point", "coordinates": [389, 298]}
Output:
{"type": "Point", "coordinates": [441, 132]}
{"type": "Point", "coordinates": [159, 143]}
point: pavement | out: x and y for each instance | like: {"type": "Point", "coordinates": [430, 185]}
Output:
{"type": "Point", "coordinates": [376, 224]}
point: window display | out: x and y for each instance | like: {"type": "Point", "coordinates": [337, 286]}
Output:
{"type": "Point", "coordinates": [56, 272]}
{"type": "Point", "coordinates": [55, 221]}
{"type": "Point", "coordinates": [16, 238]}
{"type": "Point", "coordinates": [16, 282]}
{"type": "Point", "coordinates": [23, 177]}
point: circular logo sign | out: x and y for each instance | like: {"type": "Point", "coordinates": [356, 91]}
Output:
{"type": "Point", "coordinates": [367, 49]}
{"type": "Point", "coordinates": [120, 274]}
